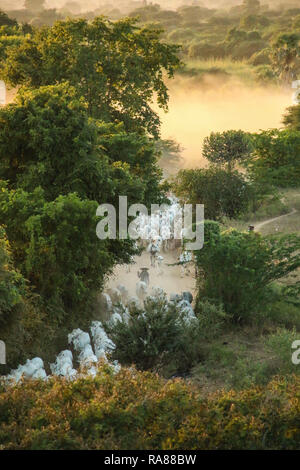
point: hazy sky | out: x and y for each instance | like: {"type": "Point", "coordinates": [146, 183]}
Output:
{"type": "Point", "coordinates": [92, 4]}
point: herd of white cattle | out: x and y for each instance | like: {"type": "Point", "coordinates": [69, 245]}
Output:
{"type": "Point", "coordinates": [86, 349]}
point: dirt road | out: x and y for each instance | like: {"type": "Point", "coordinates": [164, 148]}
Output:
{"type": "Point", "coordinates": [171, 280]}
{"type": "Point", "coordinates": [269, 221]}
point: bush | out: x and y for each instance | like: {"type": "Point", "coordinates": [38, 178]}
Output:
{"type": "Point", "coordinates": [223, 193]}
{"type": "Point", "coordinates": [135, 410]}
{"type": "Point", "coordinates": [157, 337]}
{"type": "Point", "coordinates": [237, 268]}
{"type": "Point", "coordinates": [227, 148]}
{"type": "Point", "coordinates": [211, 319]}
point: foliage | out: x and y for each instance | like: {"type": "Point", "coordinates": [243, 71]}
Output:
{"type": "Point", "coordinates": [286, 57]}
{"type": "Point", "coordinates": [116, 66]}
{"type": "Point", "coordinates": [157, 337]}
{"type": "Point", "coordinates": [227, 148]}
{"type": "Point", "coordinates": [205, 50]}
{"type": "Point", "coordinates": [237, 268]}
{"type": "Point", "coordinates": [57, 147]}
{"type": "Point", "coordinates": [139, 410]}
{"type": "Point", "coordinates": [5, 20]}
{"type": "Point", "coordinates": [291, 119]}
{"type": "Point", "coordinates": [265, 75]}
{"type": "Point", "coordinates": [12, 284]}
{"type": "Point", "coordinates": [64, 262]}
{"type": "Point", "coordinates": [276, 157]}
{"type": "Point", "coordinates": [7, 41]}
{"type": "Point", "coordinates": [223, 193]}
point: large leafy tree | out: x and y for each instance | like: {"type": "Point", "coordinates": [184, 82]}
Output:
{"type": "Point", "coordinates": [57, 165]}
{"type": "Point", "coordinates": [117, 67]}
{"type": "Point", "coordinates": [54, 244]}
{"type": "Point", "coordinates": [12, 284]}
{"type": "Point", "coordinates": [48, 140]}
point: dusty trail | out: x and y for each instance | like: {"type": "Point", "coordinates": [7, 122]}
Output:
{"type": "Point", "coordinates": [171, 280]}
{"type": "Point", "coordinates": [269, 221]}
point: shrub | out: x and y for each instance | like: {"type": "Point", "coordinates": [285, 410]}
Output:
{"type": "Point", "coordinates": [157, 337]}
{"type": "Point", "coordinates": [237, 268]}
{"type": "Point", "coordinates": [139, 410]}
{"type": "Point", "coordinates": [223, 193]}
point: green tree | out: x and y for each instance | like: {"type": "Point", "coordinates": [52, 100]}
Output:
{"type": "Point", "coordinates": [58, 147]}
{"type": "Point", "coordinates": [221, 192]}
{"type": "Point", "coordinates": [236, 268]}
{"type": "Point", "coordinates": [54, 245]}
{"type": "Point", "coordinates": [276, 157]}
{"type": "Point", "coordinates": [116, 66]}
{"type": "Point", "coordinates": [227, 148]}
{"type": "Point", "coordinates": [291, 119]}
{"type": "Point", "coordinates": [58, 151]}
{"type": "Point", "coordinates": [285, 57]}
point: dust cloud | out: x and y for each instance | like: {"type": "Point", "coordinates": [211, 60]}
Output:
{"type": "Point", "coordinates": [196, 110]}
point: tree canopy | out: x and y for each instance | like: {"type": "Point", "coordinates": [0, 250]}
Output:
{"type": "Point", "coordinates": [227, 148]}
{"type": "Point", "coordinates": [116, 66]}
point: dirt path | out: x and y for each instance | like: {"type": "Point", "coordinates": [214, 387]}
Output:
{"type": "Point", "coordinates": [269, 221]}
{"type": "Point", "coordinates": [171, 280]}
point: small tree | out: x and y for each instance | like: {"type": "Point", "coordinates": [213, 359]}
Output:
{"type": "Point", "coordinates": [227, 148]}
{"type": "Point", "coordinates": [236, 268]}
{"type": "Point", "coordinates": [222, 193]}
